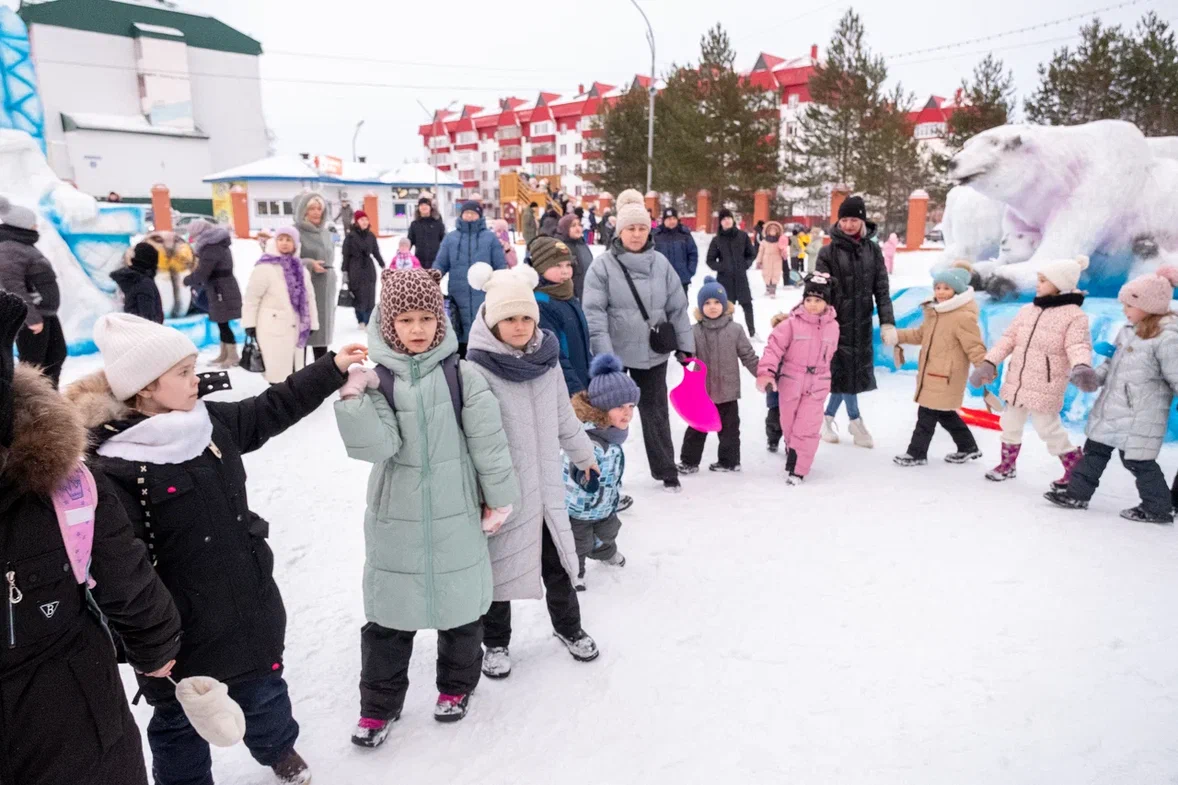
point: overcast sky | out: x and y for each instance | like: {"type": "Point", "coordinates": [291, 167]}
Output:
{"type": "Point", "coordinates": [436, 51]}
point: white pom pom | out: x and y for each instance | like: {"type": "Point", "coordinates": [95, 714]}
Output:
{"type": "Point", "coordinates": [630, 196]}
{"type": "Point", "coordinates": [527, 274]}
{"type": "Point", "coordinates": [479, 275]}
{"type": "Point", "coordinates": [1082, 261]}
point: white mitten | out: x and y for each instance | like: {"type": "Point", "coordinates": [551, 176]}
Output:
{"type": "Point", "coordinates": [213, 714]}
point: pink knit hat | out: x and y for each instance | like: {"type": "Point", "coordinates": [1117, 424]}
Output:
{"type": "Point", "coordinates": [1151, 292]}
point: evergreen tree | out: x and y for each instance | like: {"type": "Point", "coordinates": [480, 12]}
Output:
{"type": "Point", "coordinates": [988, 102]}
{"type": "Point", "coordinates": [894, 166]}
{"type": "Point", "coordinates": [1149, 66]}
{"type": "Point", "coordinates": [622, 144]}
{"type": "Point", "coordinates": [1082, 85]}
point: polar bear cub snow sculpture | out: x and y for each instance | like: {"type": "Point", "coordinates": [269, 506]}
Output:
{"type": "Point", "coordinates": [1093, 189]}
{"type": "Point", "coordinates": [975, 231]}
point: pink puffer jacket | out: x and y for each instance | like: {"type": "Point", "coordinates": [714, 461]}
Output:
{"type": "Point", "coordinates": [799, 352]}
{"type": "Point", "coordinates": [1043, 344]}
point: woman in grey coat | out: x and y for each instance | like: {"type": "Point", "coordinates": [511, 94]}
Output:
{"type": "Point", "coordinates": [1133, 411]}
{"type": "Point", "coordinates": [535, 547]}
{"type": "Point", "coordinates": [214, 272]}
{"type": "Point", "coordinates": [318, 254]}
{"type": "Point", "coordinates": [616, 325]}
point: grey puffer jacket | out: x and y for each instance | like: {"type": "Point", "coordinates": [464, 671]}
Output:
{"type": "Point", "coordinates": [539, 422]}
{"type": "Point", "coordinates": [723, 346]}
{"type": "Point", "coordinates": [615, 323]}
{"type": "Point", "coordinates": [1139, 384]}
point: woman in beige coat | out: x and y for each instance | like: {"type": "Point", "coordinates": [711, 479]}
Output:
{"type": "Point", "coordinates": [279, 308]}
{"type": "Point", "coordinates": [769, 259]}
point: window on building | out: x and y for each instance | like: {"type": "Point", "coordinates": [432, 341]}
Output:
{"type": "Point", "coordinates": [545, 169]}
{"type": "Point", "coordinates": [564, 149]}
{"type": "Point", "coordinates": [439, 141]}
{"type": "Point", "coordinates": [288, 208]}
{"type": "Point", "coordinates": [495, 155]}
{"type": "Point", "coordinates": [577, 191]}
{"type": "Point", "coordinates": [547, 148]}
{"type": "Point", "coordinates": [508, 132]}
{"type": "Point", "coordinates": [468, 137]}
{"type": "Point", "coordinates": [466, 174]}
{"type": "Point", "coordinates": [262, 207]}
{"type": "Point", "coordinates": [588, 122]}
{"type": "Point", "coordinates": [577, 170]}
{"type": "Point", "coordinates": [486, 175]}
{"type": "Point", "coordinates": [399, 210]}
{"type": "Point", "coordinates": [514, 151]}
{"type": "Point", "coordinates": [273, 207]}
{"type": "Point", "coordinates": [484, 157]}
{"type": "Point", "coordinates": [579, 148]}
{"type": "Point", "coordinates": [544, 128]}
{"type": "Point", "coordinates": [563, 170]}
{"type": "Point", "coordinates": [793, 101]}
{"type": "Point", "coordinates": [791, 129]}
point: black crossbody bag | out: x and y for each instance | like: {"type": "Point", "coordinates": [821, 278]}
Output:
{"type": "Point", "coordinates": [662, 335]}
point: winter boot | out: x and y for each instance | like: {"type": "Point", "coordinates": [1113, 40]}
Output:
{"type": "Point", "coordinates": [791, 460]}
{"type": "Point", "coordinates": [673, 486]}
{"type": "Point", "coordinates": [859, 431]}
{"type": "Point", "coordinates": [617, 560]}
{"type": "Point", "coordinates": [372, 732]}
{"type": "Point", "coordinates": [578, 584]}
{"type": "Point", "coordinates": [1005, 469]}
{"type": "Point", "coordinates": [625, 503]}
{"type": "Point", "coordinates": [1069, 461]}
{"type": "Point", "coordinates": [231, 358]}
{"type": "Point", "coordinates": [830, 431]}
{"type": "Point", "coordinates": [719, 467]}
{"type": "Point", "coordinates": [908, 460]}
{"type": "Point", "coordinates": [292, 770]}
{"type": "Point", "coordinates": [1065, 500]}
{"type": "Point", "coordinates": [581, 646]}
{"type": "Point", "coordinates": [794, 479]}
{"type": "Point", "coordinates": [497, 662]}
{"type": "Point", "coordinates": [451, 708]}
{"type": "Point", "coordinates": [773, 444]}
{"type": "Point", "coordinates": [686, 468]}
{"type": "Point", "coordinates": [1140, 515]}
{"type": "Point", "coordinates": [220, 361]}
{"type": "Point", "coordinates": [963, 457]}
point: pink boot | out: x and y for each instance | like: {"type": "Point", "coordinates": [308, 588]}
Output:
{"type": "Point", "coordinates": [1005, 468]}
{"type": "Point", "coordinates": [1069, 461]}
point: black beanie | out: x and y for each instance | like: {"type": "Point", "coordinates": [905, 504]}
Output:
{"type": "Point", "coordinates": [12, 315]}
{"type": "Point", "coordinates": [724, 213]}
{"type": "Point", "coordinates": [145, 257]}
{"type": "Point", "coordinates": [853, 207]}
{"type": "Point", "coordinates": [819, 285]}
{"type": "Point", "coordinates": [670, 212]}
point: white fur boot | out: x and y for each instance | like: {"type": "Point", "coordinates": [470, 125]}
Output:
{"type": "Point", "coordinates": [859, 431]}
{"type": "Point", "coordinates": [830, 432]}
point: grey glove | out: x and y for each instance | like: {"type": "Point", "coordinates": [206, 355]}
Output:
{"type": "Point", "coordinates": [1085, 378]}
{"type": "Point", "coordinates": [983, 374]}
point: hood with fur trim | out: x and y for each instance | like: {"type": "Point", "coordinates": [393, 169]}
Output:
{"type": "Point", "coordinates": [699, 315]}
{"type": "Point", "coordinates": [588, 413]}
{"type": "Point", "coordinates": [94, 401]}
{"type": "Point", "coordinates": [49, 437]}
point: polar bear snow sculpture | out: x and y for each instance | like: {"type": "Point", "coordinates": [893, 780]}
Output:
{"type": "Point", "coordinates": [974, 230]}
{"type": "Point", "coordinates": [1098, 189]}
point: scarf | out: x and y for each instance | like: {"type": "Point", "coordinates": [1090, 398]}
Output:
{"type": "Point", "coordinates": [19, 235]}
{"type": "Point", "coordinates": [175, 437]}
{"type": "Point", "coordinates": [1056, 300]}
{"type": "Point", "coordinates": [296, 289]}
{"type": "Point", "coordinates": [557, 291]}
{"type": "Point", "coordinates": [529, 366]}
{"type": "Point", "coordinates": [609, 435]}
{"type": "Point", "coordinates": [405, 260]}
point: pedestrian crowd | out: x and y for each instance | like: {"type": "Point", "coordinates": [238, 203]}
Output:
{"type": "Point", "coordinates": [494, 415]}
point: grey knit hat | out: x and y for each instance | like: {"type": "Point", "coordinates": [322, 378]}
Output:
{"type": "Point", "coordinates": [14, 215]}
{"type": "Point", "coordinates": [609, 386]}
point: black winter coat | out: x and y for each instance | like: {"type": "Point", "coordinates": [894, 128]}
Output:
{"type": "Point", "coordinates": [731, 254]}
{"type": "Point", "coordinates": [26, 272]}
{"type": "Point", "coordinates": [214, 272]}
{"type": "Point", "coordinates": [208, 548]}
{"type": "Point", "coordinates": [680, 249]}
{"type": "Point", "coordinates": [63, 710]}
{"type": "Point", "coordinates": [860, 277]}
{"type": "Point", "coordinates": [141, 296]}
{"type": "Point", "coordinates": [359, 249]}
{"type": "Point", "coordinates": [426, 235]}
{"type": "Point", "coordinates": [582, 258]}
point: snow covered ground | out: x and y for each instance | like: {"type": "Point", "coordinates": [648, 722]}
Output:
{"type": "Point", "coordinates": [876, 625]}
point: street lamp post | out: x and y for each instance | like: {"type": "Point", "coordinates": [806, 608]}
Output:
{"type": "Point", "coordinates": [354, 135]}
{"type": "Point", "coordinates": [650, 113]}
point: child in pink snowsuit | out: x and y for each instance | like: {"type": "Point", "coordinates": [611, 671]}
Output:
{"type": "Point", "coordinates": [796, 363]}
{"type": "Point", "coordinates": [889, 251]}
{"type": "Point", "coordinates": [404, 260]}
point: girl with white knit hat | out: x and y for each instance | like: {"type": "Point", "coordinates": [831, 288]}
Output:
{"type": "Point", "coordinates": [176, 463]}
{"type": "Point", "coordinates": [1048, 338]}
{"type": "Point", "coordinates": [1132, 413]}
{"type": "Point", "coordinates": [534, 555]}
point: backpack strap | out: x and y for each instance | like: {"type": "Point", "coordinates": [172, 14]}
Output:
{"type": "Point", "coordinates": [75, 502]}
{"type": "Point", "coordinates": [453, 381]}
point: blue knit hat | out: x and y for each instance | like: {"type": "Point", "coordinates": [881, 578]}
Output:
{"type": "Point", "coordinates": [957, 278]}
{"type": "Point", "coordinates": [609, 386]}
{"type": "Point", "coordinates": [471, 204]}
{"type": "Point", "coordinates": [712, 290]}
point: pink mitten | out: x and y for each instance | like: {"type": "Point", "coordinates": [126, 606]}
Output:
{"type": "Point", "coordinates": [493, 518]}
{"type": "Point", "coordinates": [359, 380]}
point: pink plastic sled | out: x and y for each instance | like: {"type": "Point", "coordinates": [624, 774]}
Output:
{"type": "Point", "coordinates": [690, 399]}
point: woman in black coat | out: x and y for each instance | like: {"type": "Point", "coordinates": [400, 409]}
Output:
{"type": "Point", "coordinates": [64, 714]}
{"type": "Point", "coordinates": [426, 233]}
{"type": "Point", "coordinates": [214, 272]}
{"type": "Point", "coordinates": [861, 285]}
{"type": "Point", "coordinates": [731, 254]}
{"type": "Point", "coordinates": [360, 248]}
{"type": "Point", "coordinates": [141, 297]}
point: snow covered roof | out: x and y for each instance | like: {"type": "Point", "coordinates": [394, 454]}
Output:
{"type": "Point", "coordinates": [294, 167]}
{"type": "Point", "coordinates": [125, 124]}
{"type": "Point", "coordinates": [418, 175]}
{"type": "Point", "coordinates": [278, 167]}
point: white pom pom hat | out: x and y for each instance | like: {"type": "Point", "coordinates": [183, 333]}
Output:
{"type": "Point", "coordinates": [509, 292]}
{"type": "Point", "coordinates": [1065, 274]}
{"type": "Point", "coordinates": [632, 209]}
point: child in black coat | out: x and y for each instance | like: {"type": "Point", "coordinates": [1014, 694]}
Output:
{"type": "Point", "coordinates": [141, 297]}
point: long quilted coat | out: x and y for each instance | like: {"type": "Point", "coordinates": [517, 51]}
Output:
{"type": "Point", "coordinates": [1139, 381]}
{"type": "Point", "coordinates": [540, 422]}
{"type": "Point", "coordinates": [1047, 338]}
{"type": "Point", "coordinates": [949, 339]}
{"type": "Point", "coordinates": [426, 564]}
{"type": "Point", "coordinates": [315, 244]}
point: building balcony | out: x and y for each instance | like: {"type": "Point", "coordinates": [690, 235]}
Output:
{"type": "Point", "coordinates": [506, 162]}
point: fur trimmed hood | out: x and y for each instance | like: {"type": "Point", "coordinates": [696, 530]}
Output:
{"type": "Point", "coordinates": [94, 401]}
{"type": "Point", "coordinates": [587, 412]}
{"type": "Point", "coordinates": [778, 318]}
{"type": "Point", "coordinates": [729, 311]}
{"type": "Point", "coordinates": [49, 437]}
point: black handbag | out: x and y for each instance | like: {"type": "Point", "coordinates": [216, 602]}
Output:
{"type": "Point", "coordinates": [251, 356]}
{"type": "Point", "coordinates": [662, 335]}
{"type": "Point", "coordinates": [347, 298]}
